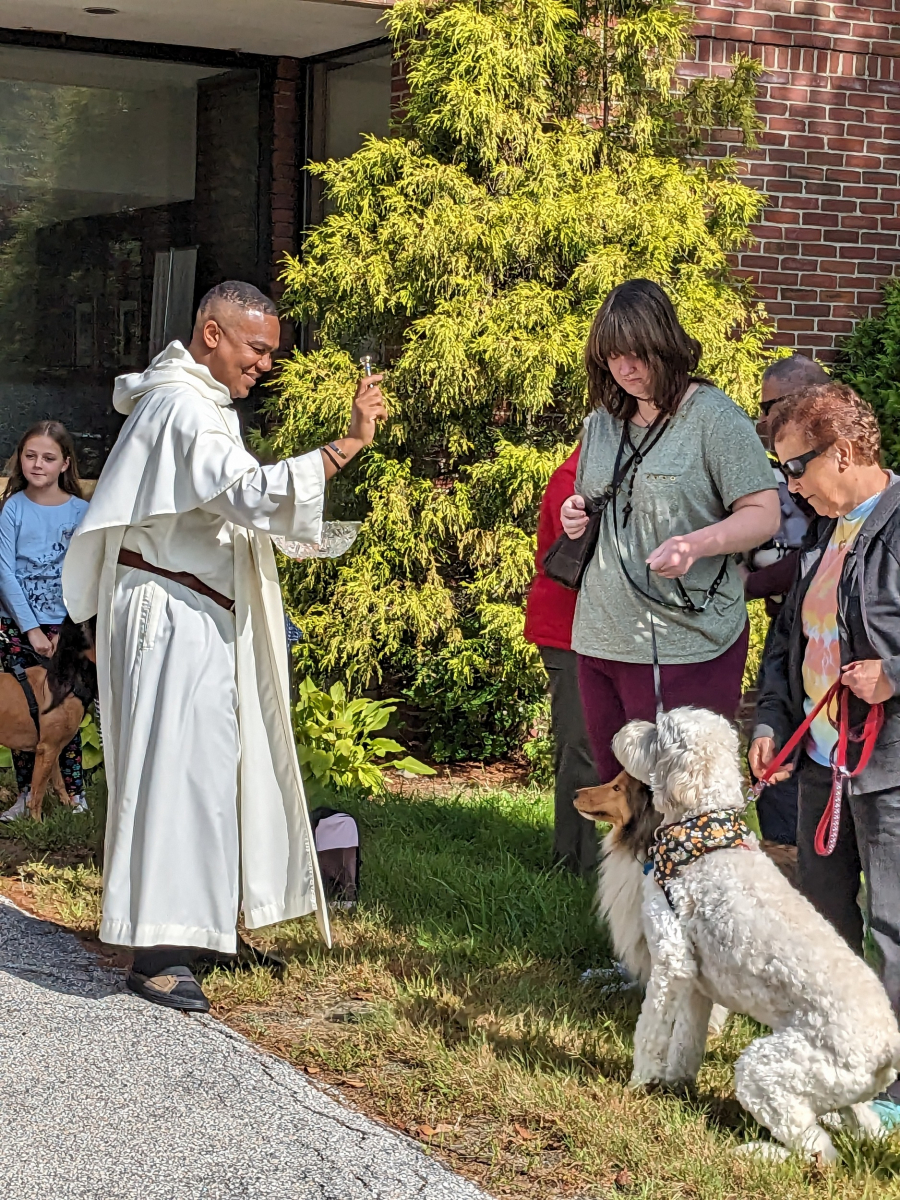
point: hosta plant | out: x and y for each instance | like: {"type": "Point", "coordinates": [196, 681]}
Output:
{"type": "Point", "coordinates": [337, 740]}
{"type": "Point", "coordinates": [91, 746]}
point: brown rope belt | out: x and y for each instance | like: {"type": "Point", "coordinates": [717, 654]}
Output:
{"type": "Point", "coordinates": [128, 558]}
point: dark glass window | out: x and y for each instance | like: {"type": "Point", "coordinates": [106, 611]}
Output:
{"type": "Point", "coordinates": [127, 186]}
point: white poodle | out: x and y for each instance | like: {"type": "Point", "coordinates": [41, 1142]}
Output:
{"type": "Point", "coordinates": [738, 934]}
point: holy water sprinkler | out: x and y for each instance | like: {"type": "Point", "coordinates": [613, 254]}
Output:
{"type": "Point", "coordinates": [365, 364]}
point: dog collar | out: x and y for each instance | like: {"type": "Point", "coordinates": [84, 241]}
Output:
{"type": "Point", "coordinates": [684, 841]}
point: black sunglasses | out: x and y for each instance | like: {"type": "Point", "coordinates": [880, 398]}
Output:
{"type": "Point", "coordinates": [795, 467]}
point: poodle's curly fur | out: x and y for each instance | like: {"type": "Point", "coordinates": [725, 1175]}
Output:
{"type": "Point", "coordinates": [738, 934]}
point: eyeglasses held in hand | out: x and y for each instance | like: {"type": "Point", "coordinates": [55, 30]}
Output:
{"type": "Point", "coordinates": [795, 467]}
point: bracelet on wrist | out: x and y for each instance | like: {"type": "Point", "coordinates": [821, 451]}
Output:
{"type": "Point", "coordinates": [334, 462]}
{"type": "Point", "coordinates": [333, 446]}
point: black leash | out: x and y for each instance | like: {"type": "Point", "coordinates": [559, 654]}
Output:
{"type": "Point", "coordinates": [19, 671]}
{"type": "Point", "coordinates": [657, 675]}
{"type": "Point", "coordinates": [640, 452]}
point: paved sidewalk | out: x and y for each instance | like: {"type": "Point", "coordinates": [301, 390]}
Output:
{"type": "Point", "coordinates": [105, 1097]}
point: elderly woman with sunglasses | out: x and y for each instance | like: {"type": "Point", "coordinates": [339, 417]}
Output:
{"type": "Point", "coordinates": [841, 620]}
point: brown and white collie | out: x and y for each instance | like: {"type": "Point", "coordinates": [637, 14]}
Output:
{"type": "Point", "coordinates": [627, 806]}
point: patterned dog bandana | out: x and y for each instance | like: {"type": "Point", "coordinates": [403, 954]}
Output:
{"type": "Point", "coordinates": [679, 844]}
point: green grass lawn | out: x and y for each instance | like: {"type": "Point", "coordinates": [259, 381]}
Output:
{"type": "Point", "coordinates": [452, 1007]}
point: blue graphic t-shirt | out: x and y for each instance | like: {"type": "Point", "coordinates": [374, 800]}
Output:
{"type": "Point", "coordinates": [33, 543]}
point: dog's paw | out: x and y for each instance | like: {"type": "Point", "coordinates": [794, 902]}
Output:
{"type": "Point", "coordinates": [650, 1083]}
{"type": "Point", "coordinates": [681, 1086]}
{"type": "Point", "coordinates": [861, 1119]}
{"type": "Point", "coordinates": [718, 1019]}
{"type": "Point", "coordinates": [816, 1144]}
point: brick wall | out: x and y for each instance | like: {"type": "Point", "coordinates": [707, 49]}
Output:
{"type": "Point", "coordinates": [829, 159]}
{"type": "Point", "coordinates": [399, 89]}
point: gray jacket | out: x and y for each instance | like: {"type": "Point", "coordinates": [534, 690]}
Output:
{"type": "Point", "coordinates": [868, 627]}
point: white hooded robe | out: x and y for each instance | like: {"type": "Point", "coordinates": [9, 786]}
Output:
{"type": "Point", "coordinates": [206, 814]}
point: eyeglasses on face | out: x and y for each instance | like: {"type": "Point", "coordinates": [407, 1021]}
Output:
{"type": "Point", "coordinates": [795, 467]}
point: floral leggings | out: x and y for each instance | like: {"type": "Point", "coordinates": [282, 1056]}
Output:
{"type": "Point", "coordinates": [16, 648]}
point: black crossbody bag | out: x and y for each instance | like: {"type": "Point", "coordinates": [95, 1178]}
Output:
{"type": "Point", "coordinates": [566, 561]}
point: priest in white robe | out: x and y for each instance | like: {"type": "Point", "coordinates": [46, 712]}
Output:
{"type": "Point", "coordinates": [207, 817]}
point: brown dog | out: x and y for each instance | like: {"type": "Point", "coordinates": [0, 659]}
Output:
{"type": "Point", "coordinates": [626, 804]}
{"type": "Point", "coordinates": [63, 691]}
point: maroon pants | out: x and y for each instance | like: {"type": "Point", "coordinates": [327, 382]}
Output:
{"type": "Point", "coordinates": [613, 693]}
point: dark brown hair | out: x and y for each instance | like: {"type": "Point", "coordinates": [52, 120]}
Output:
{"type": "Point", "coordinates": [637, 318]}
{"type": "Point", "coordinates": [68, 480]}
{"type": "Point", "coordinates": [828, 412]}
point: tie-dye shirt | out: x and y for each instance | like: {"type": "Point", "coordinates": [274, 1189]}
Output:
{"type": "Point", "coordinates": [822, 660]}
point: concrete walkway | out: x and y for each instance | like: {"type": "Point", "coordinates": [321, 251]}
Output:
{"type": "Point", "coordinates": [105, 1097]}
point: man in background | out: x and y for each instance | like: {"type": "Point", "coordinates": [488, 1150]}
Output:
{"type": "Point", "coordinates": [769, 572]}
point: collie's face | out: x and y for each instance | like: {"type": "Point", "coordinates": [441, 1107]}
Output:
{"type": "Point", "coordinates": [616, 803]}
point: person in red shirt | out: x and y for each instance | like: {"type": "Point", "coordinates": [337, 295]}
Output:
{"type": "Point", "coordinates": [549, 613]}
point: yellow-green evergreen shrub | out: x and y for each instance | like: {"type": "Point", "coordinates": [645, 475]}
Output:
{"type": "Point", "coordinates": [548, 152]}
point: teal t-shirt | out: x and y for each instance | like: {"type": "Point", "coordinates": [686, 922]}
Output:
{"type": "Point", "coordinates": [708, 457]}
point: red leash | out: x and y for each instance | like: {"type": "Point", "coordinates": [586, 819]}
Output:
{"type": "Point", "coordinates": [829, 826]}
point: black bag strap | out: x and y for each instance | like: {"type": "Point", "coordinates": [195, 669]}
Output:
{"type": "Point", "coordinates": [567, 560]}
{"type": "Point", "coordinates": [640, 454]}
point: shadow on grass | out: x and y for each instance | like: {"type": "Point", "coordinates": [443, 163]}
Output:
{"type": "Point", "coordinates": [460, 902]}
{"type": "Point", "coordinates": [530, 1046]}
{"type": "Point", "coordinates": [471, 878]}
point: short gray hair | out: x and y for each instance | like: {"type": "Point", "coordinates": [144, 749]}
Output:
{"type": "Point", "coordinates": [241, 295]}
{"type": "Point", "coordinates": [791, 374]}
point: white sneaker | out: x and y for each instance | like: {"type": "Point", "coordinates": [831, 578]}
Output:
{"type": "Point", "coordinates": [18, 809]}
{"type": "Point", "coordinates": [79, 803]}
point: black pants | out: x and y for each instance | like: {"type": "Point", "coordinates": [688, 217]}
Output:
{"type": "Point", "coordinates": [156, 960]}
{"type": "Point", "coordinates": [868, 842]}
{"type": "Point", "coordinates": [574, 839]}
{"type": "Point", "coordinates": [776, 809]}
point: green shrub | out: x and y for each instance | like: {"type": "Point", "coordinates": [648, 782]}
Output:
{"type": "Point", "coordinates": [470, 252]}
{"type": "Point", "coordinates": [759, 627]}
{"type": "Point", "coordinates": [538, 753]}
{"type": "Point", "coordinates": [335, 742]}
{"type": "Point", "coordinates": [869, 361]}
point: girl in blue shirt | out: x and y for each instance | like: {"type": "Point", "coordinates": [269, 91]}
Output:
{"type": "Point", "coordinates": [40, 510]}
